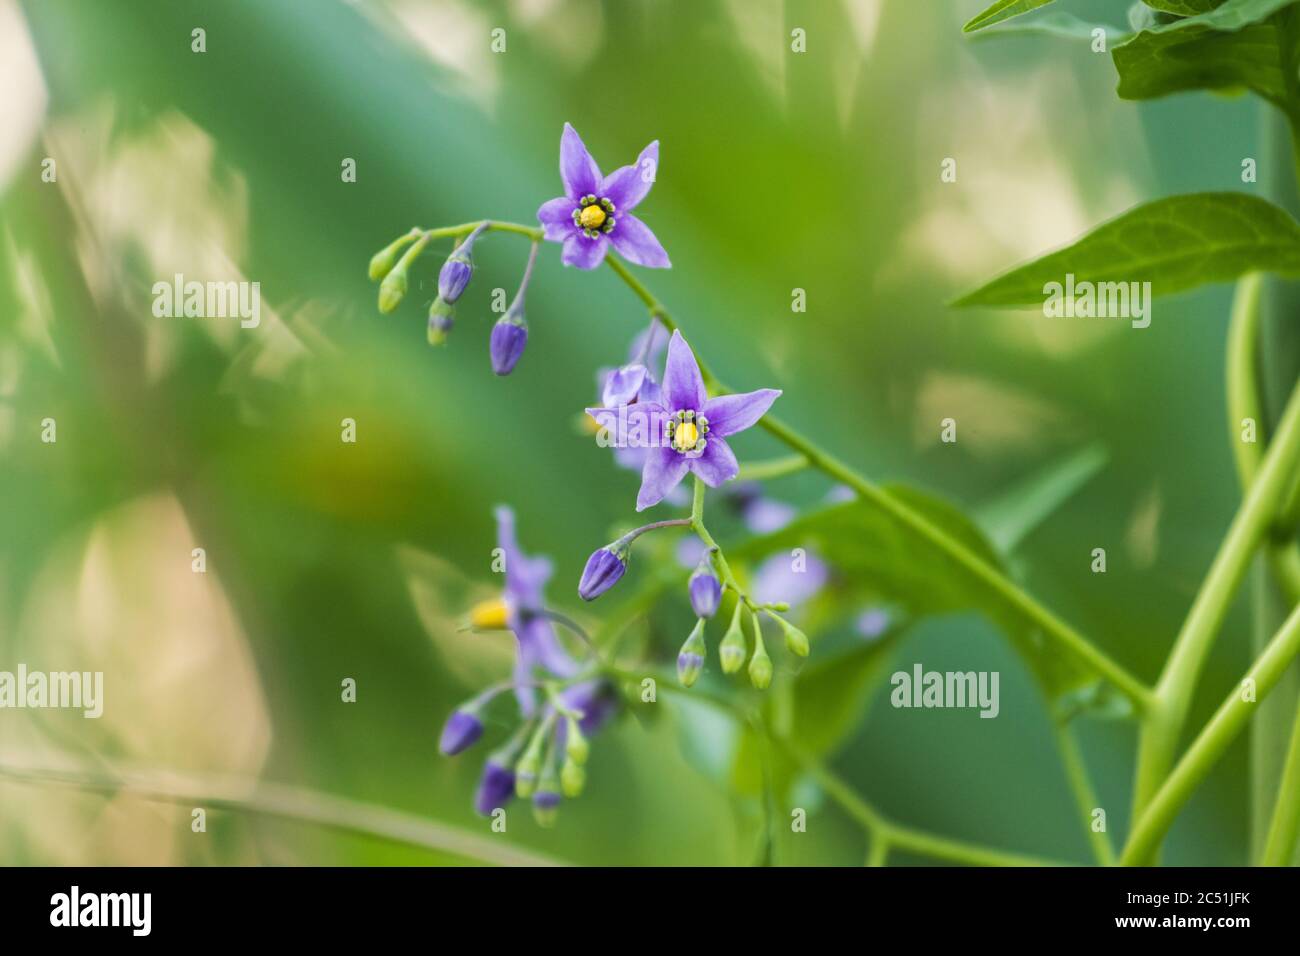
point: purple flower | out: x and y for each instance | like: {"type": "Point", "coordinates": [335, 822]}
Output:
{"type": "Point", "coordinates": [596, 211]}
{"type": "Point", "coordinates": [462, 731]}
{"type": "Point", "coordinates": [686, 430]}
{"type": "Point", "coordinates": [785, 578]}
{"type": "Point", "coordinates": [603, 570]}
{"type": "Point", "coordinates": [495, 788]}
{"type": "Point", "coordinates": [525, 614]}
{"type": "Point", "coordinates": [761, 514]}
{"type": "Point", "coordinates": [509, 336]}
{"type": "Point", "coordinates": [706, 592]}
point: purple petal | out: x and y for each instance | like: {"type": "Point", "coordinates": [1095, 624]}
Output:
{"type": "Point", "coordinates": [461, 731]}
{"type": "Point", "coordinates": [544, 647]}
{"type": "Point", "coordinates": [557, 218]}
{"type": "Point", "coordinates": [628, 185]}
{"type": "Point", "coordinates": [716, 464]}
{"type": "Point", "coordinates": [495, 788]}
{"type": "Point", "coordinates": [664, 470]}
{"type": "Point", "coordinates": [629, 426]}
{"type": "Point", "coordinates": [525, 577]}
{"type": "Point", "coordinates": [636, 243]}
{"type": "Point", "coordinates": [583, 252]}
{"type": "Point", "coordinates": [578, 171]}
{"type": "Point", "coordinates": [683, 386]}
{"type": "Point", "coordinates": [729, 414]}
{"type": "Point", "coordinates": [623, 385]}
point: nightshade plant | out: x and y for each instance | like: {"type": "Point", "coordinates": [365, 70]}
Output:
{"type": "Point", "coordinates": [873, 537]}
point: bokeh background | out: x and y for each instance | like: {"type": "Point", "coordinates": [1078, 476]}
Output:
{"type": "Point", "coordinates": [326, 560]}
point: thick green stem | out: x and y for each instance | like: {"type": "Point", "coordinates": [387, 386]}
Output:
{"type": "Point", "coordinates": [1279, 845]}
{"type": "Point", "coordinates": [1211, 743]}
{"type": "Point", "coordinates": [1164, 721]}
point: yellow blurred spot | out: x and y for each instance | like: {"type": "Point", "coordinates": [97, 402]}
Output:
{"type": "Point", "coordinates": [488, 615]}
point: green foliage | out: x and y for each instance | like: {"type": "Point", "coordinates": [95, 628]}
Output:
{"type": "Point", "coordinates": [1175, 244]}
{"type": "Point", "coordinates": [1000, 11]}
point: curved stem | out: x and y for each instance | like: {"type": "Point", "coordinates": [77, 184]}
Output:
{"type": "Point", "coordinates": [1279, 845]}
{"type": "Point", "coordinates": [1211, 743]}
{"type": "Point", "coordinates": [285, 802]}
{"type": "Point", "coordinates": [1074, 642]}
{"type": "Point", "coordinates": [1076, 772]}
{"type": "Point", "coordinates": [776, 468]}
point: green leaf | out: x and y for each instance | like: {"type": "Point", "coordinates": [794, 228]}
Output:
{"type": "Point", "coordinates": [1217, 14]}
{"type": "Point", "coordinates": [1002, 10]}
{"type": "Point", "coordinates": [1157, 63]}
{"type": "Point", "coordinates": [1058, 23]}
{"type": "Point", "coordinates": [1012, 515]}
{"type": "Point", "coordinates": [1175, 244]}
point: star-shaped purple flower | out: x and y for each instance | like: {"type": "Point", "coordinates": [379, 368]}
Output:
{"type": "Point", "coordinates": [685, 430]}
{"type": "Point", "coordinates": [525, 606]}
{"type": "Point", "coordinates": [596, 210]}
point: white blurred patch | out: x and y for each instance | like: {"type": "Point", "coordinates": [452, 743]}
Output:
{"type": "Point", "coordinates": [571, 31]}
{"type": "Point", "coordinates": [181, 688]}
{"type": "Point", "coordinates": [455, 35]}
{"type": "Point", "coordinates": [1142, 537]}
{"type": "Point", "coordinates": [993, 420]}
{"type": "Point", "coordinates": [23, 103]}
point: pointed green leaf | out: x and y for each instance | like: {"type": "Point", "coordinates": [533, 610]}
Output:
{"type": "Point", "coordinates": [1012, 515]}
{"type": "Point", "coordinates": [1002, 10]}
{"type": "Point", "coordinates": [1175, 244]}
{"type": "Point", "coordinates": [1217, 14]}
{"type": "Point", "coordinates": [1159, 62]}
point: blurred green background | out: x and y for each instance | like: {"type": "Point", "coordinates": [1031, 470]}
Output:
{"type": "Point", "coordinates": [818, 171]}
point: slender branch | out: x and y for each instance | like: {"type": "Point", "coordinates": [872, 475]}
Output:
{"type": "Point", "coordinates": [1279, 845]}
{"type": "Point", "coordinates": [1173, 694]}
{"type": "Point", "coordinates": [1211, 743]}
{"type": "Point", "coordinates": [285, 802]}
{"type": "Point", "coordinates": [775, 468]}
{"type": "Point", "coordinates": [1017, 598]}
{"type": "Point", "coordinates": [1076, 772]}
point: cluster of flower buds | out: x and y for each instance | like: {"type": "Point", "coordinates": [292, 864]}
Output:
{"type": "Point", "coordinates": [391, 267]}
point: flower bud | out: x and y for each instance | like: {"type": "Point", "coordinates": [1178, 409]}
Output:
{"type": "Point", "coordinates": [495, 788]}
{"type": "Point", "coordinates": [392, 290]}
{"type": "Point", "coordinates": [760, 668]}
{"type": "Point", "coordinates": [509, 336]}
{"type": "Point", "coordinates": [455, 274]}
{"type": "Point", "coordinates": [546, 801]}
{"type": "Point", "coordinates": [441, 319]}
{"type": "Point", "coordinates": [796, 641]}
{"type": "Point", "coordinates": [575, 744]}
{"type": "Point", "coordinates": [381, 263]}
{"type": "Point", "coordinates": [733, 650]}
{"type": "Point", "coordinates": [572, 778]}
{"type": "Point", "coordinates": [705, 590]}
{"type": "Point", "coordinates": [462, 731]}
{"type": "Point", "coordinates": [604, 569]}
{"type": "Point", "coordinates": [526, 771]}
{"type": "Point", "coordinates": [690, 659]}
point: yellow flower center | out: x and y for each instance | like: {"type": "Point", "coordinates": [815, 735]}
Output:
{"type": "Point", "coordinates": [591, 217]}
{"type": "Point", "coordinates": [685, 436]}
{"type": "Point", "coordinates": [488, 615]}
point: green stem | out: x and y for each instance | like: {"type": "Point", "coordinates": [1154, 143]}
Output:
{"type": "Point", "coordinates": [775, 468]}
{"type": "Point", "coordinates": [278, 800]}
{"type": "Point", "coordinates": [1164, 721]}
{"type": "Point", "coordinates": [1281, 840]}
{"type": "Point", "coordinates": [1211, 743]}
{"type": "Point", "coordinates": [1076, 772]}
{"type": "Point", "coordinates": [1074, 642]}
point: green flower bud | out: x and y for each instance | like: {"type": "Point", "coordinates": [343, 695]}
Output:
{"type": "Point", "coordinates": [572, 778]}
{"type": "Point", "coordinates": [546, 801]}
{"type": "Point", "coordinates": [392, 290]}
{"type": "Point", "coordinates": [441, 317]}
{"type": "Point", "coordinates": [690, 659]}
{"type": "Point", "coordinates": [795, 640]}
{"type": "Point", "coordinates": [530, 764]}
{"type": "Point", "coordinates": [575, 745]}
{"type": "Point", "coordinates": [381, 263]}
{"type": "Point", "coordinates": [760, 668]}
{"type": "Point", "coordinates": [733, 650]}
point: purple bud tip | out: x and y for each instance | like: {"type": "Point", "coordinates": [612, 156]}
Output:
{"type": "Point", "coordinates": [462, 731]}
{"type": "Point", "coordinates": [507, 344]}
{"type": "Point", "coordinates": [603, 570]}
{"type": "Point", "coordinates": [495, 788]}
{"type": "Point", "coordinates": [546, 799]}
{"type": "Point", "coordinates": [706, 592]}
{"type": "Point", "coordinates": [454, 276]}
